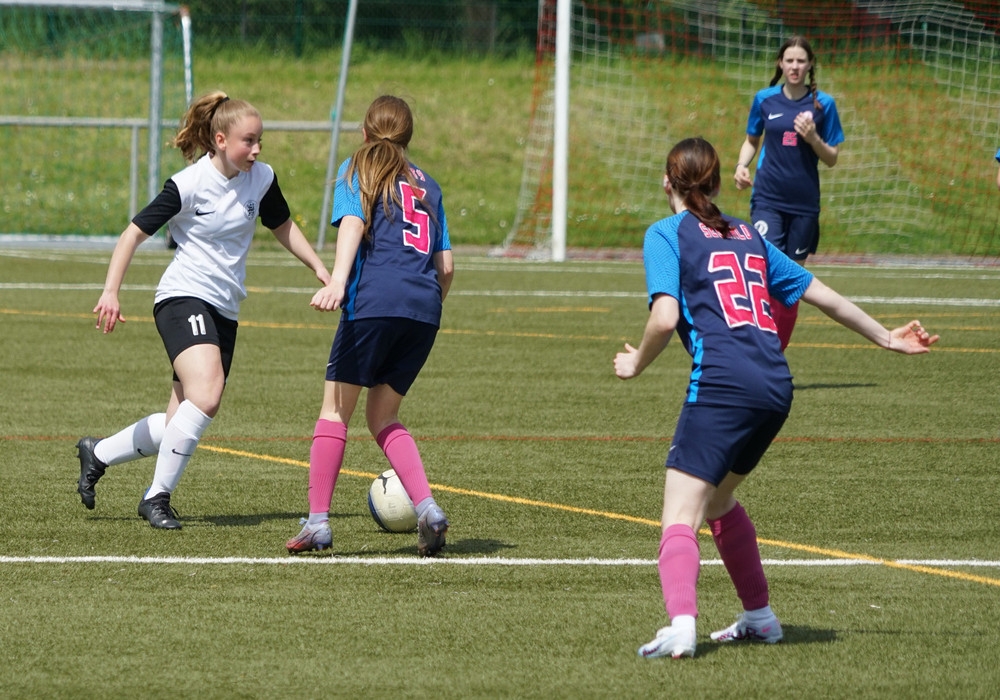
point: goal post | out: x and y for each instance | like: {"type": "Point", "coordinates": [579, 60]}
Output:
{"type": "Point", "coordinates": [57, 55]}
{"type": "Point", "coordinates": [917, 85]}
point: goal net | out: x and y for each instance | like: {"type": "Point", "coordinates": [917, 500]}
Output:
{"type": "Point", "coordinates": [83, 83]}
{"type": "Point", "coordinates": [917, 86]}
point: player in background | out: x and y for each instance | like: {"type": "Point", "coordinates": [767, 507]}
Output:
{"type": "Point", "coordinates": [997, 156]}
{"type": "Point", "coordinates": [210, 209]}
{"type": "Point", "coordinates": [391, 274]}
{"type": "Point", "coordinates": [712, 278]}
{"type": "Point", "coordinates": [799, 126]}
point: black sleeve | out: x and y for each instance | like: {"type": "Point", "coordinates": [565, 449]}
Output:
{"type": "Point", "coordinates": [161, 210]}
{"type": "Point", "coordinates": [274, 209]}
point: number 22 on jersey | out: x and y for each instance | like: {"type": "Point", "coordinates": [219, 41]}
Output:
{"type": "Point", "coordinates": [743, 291]}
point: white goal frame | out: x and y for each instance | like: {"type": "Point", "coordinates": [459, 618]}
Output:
{"type": "Point", "coordinates": [964, 65]}
{"type": "Point", "coordinates": [157, 10]}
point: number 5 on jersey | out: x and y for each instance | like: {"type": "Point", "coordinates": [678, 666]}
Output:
{"type": "Point", "coordinates": [419, 238]}
{"type": "Point", "coordinates": [743, 292]}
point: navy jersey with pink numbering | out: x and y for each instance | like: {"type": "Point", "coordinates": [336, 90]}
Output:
{"type": "Point", "coordinates": [724, 287]}
{"type": "Point", "coordinates": [787, 178]}
{"type": "Point", "coordinates": [393, 275]}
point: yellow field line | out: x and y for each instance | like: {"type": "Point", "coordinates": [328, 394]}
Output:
{"type": "Point", "coordinates": [489, 334]}
{"type": "Point", "coordinates": [833, 553]}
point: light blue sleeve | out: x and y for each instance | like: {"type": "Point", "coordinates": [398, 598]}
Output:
{"type": "Point", "coordinates": [346, 199]}
{"type": "Point", "coordinates": [787, 281]}
{"type": "Point", "coordinates": [997, 156]}
{"type": "Point", "coordinates": [662, 260]}
{"type": "Point", "coordinates": [833, 132]}
{"type": "Point", "coordinates": [755, 122]}
{"type": "Point", "coordinates": [445, 241]}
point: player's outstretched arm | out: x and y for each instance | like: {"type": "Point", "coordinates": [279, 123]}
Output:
{"type": "Point", "coordinates": [349, 236]}
{"type": "Point", "coordinates": [108, 308]}
{"type": "Point", "coordinates": [742, 176]}
{"type": "Point", "coordinates": [444, 263]}
{"type": "Point", "coordinates": [290, 236]}
{"type": "Point", "coordinates": [663, 317]}
{"type": "Point", "coordinates": [911, 339]}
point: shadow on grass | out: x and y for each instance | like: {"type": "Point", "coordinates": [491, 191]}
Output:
{"type": "Point", "coordinates": [793, 635]}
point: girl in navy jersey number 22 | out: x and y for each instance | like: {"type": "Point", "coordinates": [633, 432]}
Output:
{"type": "Point", "coordinates": [712, 278]}
{"type": "Point", "coordinates": [800, 127]}
{"type": "Point", "coordinates": [210, 209]}
{"type": "Point", "coordinates": [392, 271]}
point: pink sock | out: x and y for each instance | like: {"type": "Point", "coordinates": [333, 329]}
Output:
{"type": "Point", "coordinates": [326, 456]}
{"type": "Point", "coordinates": [784, 318]}
{"type": "Point", "coordinates": [679, 563]}
{"type": "Point", "coordinates": [403, 456]}
{"type": "Point", "coordinates": [736, 539]}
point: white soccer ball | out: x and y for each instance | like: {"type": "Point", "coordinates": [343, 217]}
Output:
{"type": "Point", "coordinates": [389, 505]}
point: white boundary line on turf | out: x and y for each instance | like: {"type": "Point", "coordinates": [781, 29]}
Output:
{"type": "Point", "coordinates": [911, 301]}
{"type": "Point", "coordinates": [472, 561]}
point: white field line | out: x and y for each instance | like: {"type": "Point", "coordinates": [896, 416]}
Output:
{"type": "Point", "coordinates": [502, 293]}
{"type": "Point", "coordinates": [471, 561]}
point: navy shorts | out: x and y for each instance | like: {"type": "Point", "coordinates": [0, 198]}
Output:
{"type": "Point", "coordinates": [796, 235]}
{"type": "Point", "coordinates": [184, 322]}
{"type": "Point", "coordinates": [372, 351]}
{"type": "Point", "coordinates": [711, 441]}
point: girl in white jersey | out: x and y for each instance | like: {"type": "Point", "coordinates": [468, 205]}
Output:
{"type": "Point", "coordinates": [211, 210]}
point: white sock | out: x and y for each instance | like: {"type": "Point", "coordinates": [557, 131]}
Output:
{"type": "Point", "coordinates": [422, 507]}
{"type": "Point", "coordinates": [141, 439]}
{"type": "Point", "coordinates": [759, 615]}
{"type": "Point", "coordinates": [683, 622]}
{"type": "Point", "coordinates": [317, 518]}
{"type": "Point", "coordinates": [180, 438]}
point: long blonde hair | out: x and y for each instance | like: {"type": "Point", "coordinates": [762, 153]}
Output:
{"type": "Point", "coordinates": [382, 159]}
{"type": "Point", "coordinates": [208, 115]}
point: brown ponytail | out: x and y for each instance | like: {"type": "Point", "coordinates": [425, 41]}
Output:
{"type": "Point", "coordinates": [694, 173]}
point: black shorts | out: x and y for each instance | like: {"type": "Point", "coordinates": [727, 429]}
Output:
{"type": "Point", "coordinates": [184, 322]}
{"type": "Point", "coordinates": [795, 235]}
{"type": "Point", "coordinates": [372, 351]}
{"type": "Point", "coordinates": [711, 441]}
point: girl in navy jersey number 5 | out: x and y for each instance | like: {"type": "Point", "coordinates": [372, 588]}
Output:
{"type": "Point", "coordinates": [392, 271]}
{"type": "Point", "coordinates": [800, 127]}
{"type": "Point", "coordinates": [712, 278]}
{"type": "Point", "coordinates": [211, 210]}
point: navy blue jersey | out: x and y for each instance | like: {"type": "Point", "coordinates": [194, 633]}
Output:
{"type": "Point", "coordinates": [393, 275]}
{"type": "Point", "coordinates": [787, 178]}
{"type": "Point", "coordinates": [724, 287]}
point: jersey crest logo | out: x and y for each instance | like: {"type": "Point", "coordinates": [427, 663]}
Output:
{"type": "Point", "coordinates": [250, 210]}
{"type": "Point", "coordinates": [790, 138]}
